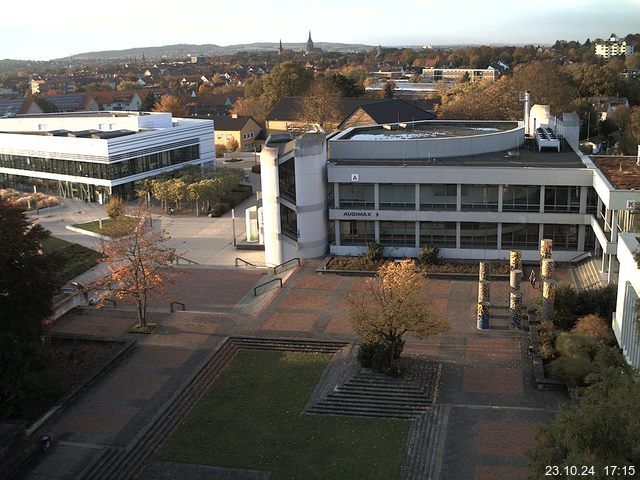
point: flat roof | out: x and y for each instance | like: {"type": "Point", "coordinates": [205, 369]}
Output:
{"type": "Point", "coordinates": [428, 129]}
{"type": "Point", "coordinates": [525, 156]}
{"type": "Point", "coordinates": [622, 172]}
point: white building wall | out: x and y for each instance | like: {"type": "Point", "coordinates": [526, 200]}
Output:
{"type": "Point", "coordinates": [624, 322]}
{"type": "Point", "coordinates": [271, 205]}
{"type": "Point", "coordinates": [311, 195]}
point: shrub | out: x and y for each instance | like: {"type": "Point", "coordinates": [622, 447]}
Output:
{"type": "Point", "coordinates": [374, 251]}
{"type": "Point", "coordinates": [115, 207]}
{"type": "Point", "coordinates": [572, 371]}
{"type": "Point", "coordinates": [220, 209]}
{"type": "Point", "coordinates": [601, 301]}
{"type": "Point", "coordinates": [565, 304]}
{"type": "Point", "coordinates": [256, 168]}
{"type": "Point", "coordinates": [378, 357]}
{"type": "Point", "coordinates": [428, 255]}
{"type": "Point", "coordinates": [575, 346]}
{"type": "Point", "coordinates": [595, 327]}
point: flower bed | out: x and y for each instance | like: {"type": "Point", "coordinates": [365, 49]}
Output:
{"type": "Point", "coordinates": [364, 264]}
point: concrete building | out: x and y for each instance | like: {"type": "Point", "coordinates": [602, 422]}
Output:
{"type": "Point", "coordinates": [625, 325]}
{"type": "Point", "coordinates": [93, 155]}
{"type": "Point", "coordinates": [613, 47]}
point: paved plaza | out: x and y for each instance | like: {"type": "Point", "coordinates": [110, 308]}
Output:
{"type": "Point", "coordinates": [487, 383]}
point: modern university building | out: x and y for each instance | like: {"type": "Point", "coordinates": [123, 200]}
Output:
{"type": "Point", "coordinates": [93, 155]}
{"type": "Point", "coordinates": [475, 189]}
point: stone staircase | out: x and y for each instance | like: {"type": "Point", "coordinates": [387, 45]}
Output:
{"type": "Point", "coordinates": [586, 276]}
{"type": "Point", "coordinates": [422, 459]}
{"type": "Point", "coordinates": [347, 389]}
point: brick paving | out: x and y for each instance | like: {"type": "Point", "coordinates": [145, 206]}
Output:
{"type": "Point", "coordinates": [486, 380]}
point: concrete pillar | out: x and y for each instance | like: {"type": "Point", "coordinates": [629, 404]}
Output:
{"type": "Point", "coordinates": [515, 308]}
{"type": "Point", "coordinates": [484, 271]}
{"type": "Point", "coordinates": [482, 319]}
{"type": "Point", "coordinates": [515, 260]}
{"type": "Point", "coordinates": [515, 278]}
{"type": "Point", "coordinates": [548, 298]}
{"type": "Point", "coordinates": [484, 291]}
{"type": "Point", "coordinates": [612, 269]}
{"type": "Point", "coordinates": [547, 267]}
{"type": "Point", "coordinates": [546, 248]}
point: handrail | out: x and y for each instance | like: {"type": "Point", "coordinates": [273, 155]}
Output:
{"type": "Point", "coordinates": [255, 290]}
{"type": "Point", "coordinates": [244, 261]}
{"type": "Point", "coordinates": [178, 258]}
{"type": "Point", "coordinates": [275, 269]}
{"type": "Point", "coordinates": [583, 254]}
{"type": "Point", "coordinates": [176, 303]}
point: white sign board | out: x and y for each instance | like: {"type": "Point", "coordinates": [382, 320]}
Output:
{"type": "Point", "coordinates": [355, 177]}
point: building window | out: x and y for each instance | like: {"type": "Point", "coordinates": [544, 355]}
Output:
{"type": "Point", "coordinates": [357, 196]}
{"type": "Point", "coordinates": [521, 198]}
{"type": "Point", "coordinates": [287, 179]}
{"type": "Point", "coordinates": [398, 234]}
{"type": "Point", "coordinates": [397, 196]}
{"type": "Point", "coordinates": [478, 235]}
{"type": "Point", "coordinates": [440, 234]}
{"type": "Point", "coordinates": [288, 222]}
{"type": "Point", "coordinates": [565, 237]}
{"type": "Point", "coordinates": [561, 199]}
{"type": "Point", "coordinates": [480, 197]}
{"type": "Point", "coordinates": [438, 197]}
{"type": "Point", "coordinates": [354, 232]}
{"type": "Point", "coordinates": [592, 200]}
{"type": "Point", "coordinates": [517, 235]}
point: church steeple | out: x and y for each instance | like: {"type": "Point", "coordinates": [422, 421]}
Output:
{"type": "Point", "coordinates": [310, 43]}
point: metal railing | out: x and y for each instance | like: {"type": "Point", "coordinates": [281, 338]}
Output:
{"type": "Point", "coordinates": [171, 305]}
{"type": "Point", "coordinates": [178, 258]}
{"type": "Point", "coordinates": [275, 269]}
{"type": "Point", "coordinates": [580, 257]}
{"type": "Point", "coordinates": [255, 290]}
{"type": "Point", "coordinates": [244, 261]}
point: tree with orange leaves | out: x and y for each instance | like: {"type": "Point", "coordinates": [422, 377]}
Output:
{"type": "Point", "coordinates": [138, 265]}
{"type": "Point", "coordinates": [170, 103]}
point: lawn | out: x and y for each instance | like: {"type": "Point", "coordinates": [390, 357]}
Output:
{"type": "Point", "coordinates": [253, 418]}
{"type": "Point", "coordinates": [125, 225]}
{"type": "Point", "coordinates": [73, 259]}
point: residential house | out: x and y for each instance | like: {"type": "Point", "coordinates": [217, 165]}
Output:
{"type": "Point", "coordinates": [74, 102]}
{"type": "Point", "coordinates": [605, 106]}
{"type": "Point", "coordinates": [244, 130]}
{"type": "Point", "coordinates": [118, 101]}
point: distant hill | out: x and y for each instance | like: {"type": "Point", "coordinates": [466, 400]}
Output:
{"type": "Point", "coordinates": [183, 50]}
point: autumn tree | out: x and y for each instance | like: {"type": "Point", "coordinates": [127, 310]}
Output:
{"type": "Point", "coordinates": [321, 105]}
{"type": "Point", "coordinates": [170, 103]}
{"type": "Point", "coordinates": [26, 291]}
{"type": "Point", "coordinates": [392, 305]}
{"type": "Point", "coordinates": [287, 79]}
{"type": "Point", "coordinates": [115, 207]}
{"type": "Point", "coordinates": [389, 90]}
{"type": "Point", "coordinates": [138, 265]}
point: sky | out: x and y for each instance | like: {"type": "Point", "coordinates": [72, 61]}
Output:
{"type": "Point", "coordinates": [53, 30]}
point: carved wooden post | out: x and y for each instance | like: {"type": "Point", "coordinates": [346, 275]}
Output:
{"type": "Point", "coordinates": [484, 293]}
{"type": "Point", "coordinates": [515, 278]}
{"type": "Point", "coordinates": [484, 286]}
{"type": "Point", "coordinates": [484, 271]}
{"type": "Point", "coordinates": [547, 267]}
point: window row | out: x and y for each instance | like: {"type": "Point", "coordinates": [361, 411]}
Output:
{"type": "Point", "coordinates": [472, 234]}
{"type": "Point", "coordinates": [105, 171]}
{"type": "Point", "coordinates": [515, 198]}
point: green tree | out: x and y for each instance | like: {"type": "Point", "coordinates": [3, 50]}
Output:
{"type": "Point", "coordinates": [603, 430]}
{"type": "Point", "coordinates": [392, 305]}
{"type": "Point", "coordinates": [148, 102]}
{"type": "Point", "coordinates": [287, 79]}
{"type": "Point", "coordinates": [26, 292]}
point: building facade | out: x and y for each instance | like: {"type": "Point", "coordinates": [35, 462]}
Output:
{"type": "Point", "coordinates": [613, 47]}
{"type": "Point", "coordinates": [94, 155]}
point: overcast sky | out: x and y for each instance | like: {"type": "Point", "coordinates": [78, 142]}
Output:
{"type": "Point", "coordinates": [47, 30]}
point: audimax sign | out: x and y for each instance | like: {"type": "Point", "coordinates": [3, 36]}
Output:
{"type": "Point", "coordinates": [359, 213]}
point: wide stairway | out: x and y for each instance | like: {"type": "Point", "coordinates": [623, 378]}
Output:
{"type": "Point", "coordinates": [586, 276]}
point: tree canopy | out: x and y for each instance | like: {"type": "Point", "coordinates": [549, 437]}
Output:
{"type": "Point", "coordinates": [170, 103]}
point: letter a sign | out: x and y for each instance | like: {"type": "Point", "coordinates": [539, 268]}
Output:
{"type": "Point", "coordinates": [354, 177]}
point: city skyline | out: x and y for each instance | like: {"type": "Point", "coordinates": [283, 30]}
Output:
{"type": "Point", "coordinates": [56, 33]}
